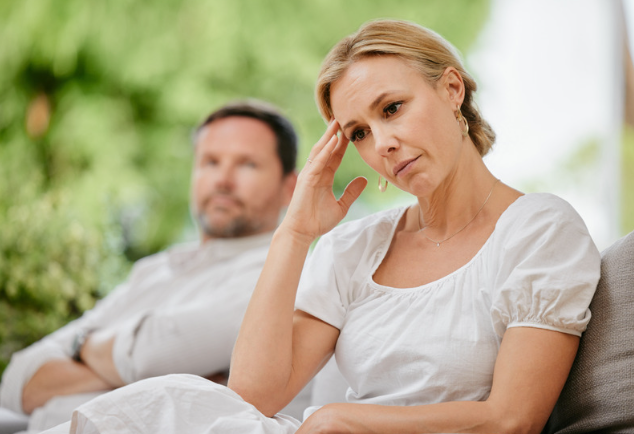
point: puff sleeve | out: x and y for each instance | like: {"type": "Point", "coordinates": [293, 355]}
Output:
{"type": "Point", "coordinates": [318, 292]}
{"type": "Point", "coordinates": [547, 270]}
{"type": "Point", "coordinates": [336, 273]}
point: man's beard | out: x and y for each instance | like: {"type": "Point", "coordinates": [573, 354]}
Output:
{"type": "Point", "coordinates": [238, 227]}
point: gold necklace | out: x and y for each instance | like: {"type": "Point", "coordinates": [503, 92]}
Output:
{"type": "Point", "coordinates": [438, 243]}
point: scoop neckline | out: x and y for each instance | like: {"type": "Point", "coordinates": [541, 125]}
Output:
{"type": "Point", "coordinates": [384, 247]}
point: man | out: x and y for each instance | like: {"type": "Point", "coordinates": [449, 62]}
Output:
{"type": "Point", "coordinates": [180, 310]}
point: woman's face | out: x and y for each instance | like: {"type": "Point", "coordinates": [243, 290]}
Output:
{"type": "Point", "coordinates": [403, 128]}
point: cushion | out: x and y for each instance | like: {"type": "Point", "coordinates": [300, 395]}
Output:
{"type": "Point", "coordinates": [11, 422]}
{"type": "Point", "coordinates": [599, 393]}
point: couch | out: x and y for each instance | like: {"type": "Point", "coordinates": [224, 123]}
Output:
{"type": "Point", "coordinates": [598, 396]}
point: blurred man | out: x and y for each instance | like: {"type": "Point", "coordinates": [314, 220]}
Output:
{"type": "Point", "coordinates": [180, 310]}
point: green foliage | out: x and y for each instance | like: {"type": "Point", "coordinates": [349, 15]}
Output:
{"type": "Point", "coordinates": [98, 100]}
{"type": "Point", "coordinates": [52, 268]}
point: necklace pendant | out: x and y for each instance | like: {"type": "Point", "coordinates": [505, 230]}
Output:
{"type": "Point", "coordinates": [437, 244]}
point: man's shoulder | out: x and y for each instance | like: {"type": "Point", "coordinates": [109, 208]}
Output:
{"type": "Point", "coordinates": [178, 249]}
{"type": "Point", "coordinates": [165, 256]}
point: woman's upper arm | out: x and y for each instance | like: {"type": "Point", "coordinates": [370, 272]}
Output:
{"type": "Point", "coordinates": [530, 371]}
{"type": "Point", "coordinates": [313, 343]}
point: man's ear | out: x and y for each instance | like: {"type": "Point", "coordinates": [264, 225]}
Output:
{"type": "Point", "coordinates": [452, 82]}
{"type": "Point", "coordinates": [288, 187]}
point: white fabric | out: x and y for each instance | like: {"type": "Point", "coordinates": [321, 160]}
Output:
{"type": "Point", "coordinates": [328, 387]}
{"type": "Point", "coordinates": [57, 410]}
{"type": "Point", "coordinates": [179, 404]}
{"type": "Point", "coordinates": [179, 311]}
{"type": "Point", "coordinates": [439, 342]}
{"type": "Point", "coordinates": [59, 429]}
{"type": "Point", "coordinates": [433, 343]}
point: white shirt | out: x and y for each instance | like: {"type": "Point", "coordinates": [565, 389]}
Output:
{"type": "Point", "coordinates": [433, 343]}
{"type": "Point", "coordinates": [179, 311]}
{"type": "Point", "coordinates": [438, 342]}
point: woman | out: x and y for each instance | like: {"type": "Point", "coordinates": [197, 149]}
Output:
{"type": "Point", "coordinates": [460, 313]}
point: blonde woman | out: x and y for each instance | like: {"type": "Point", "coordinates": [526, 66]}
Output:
{"type": "Point", "coordinates": [459, 313]}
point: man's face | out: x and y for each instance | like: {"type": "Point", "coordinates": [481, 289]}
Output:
{"type": "Point", "coordinates": [238, 187]}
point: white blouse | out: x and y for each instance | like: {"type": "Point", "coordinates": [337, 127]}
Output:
{"type": "Point", "coordinates": [438, 342]}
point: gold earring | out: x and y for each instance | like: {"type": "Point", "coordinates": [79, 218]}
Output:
{"type": "Point", "coordinates": [382, 187]}
{"type": "Point", "coordinates": [459, 118]}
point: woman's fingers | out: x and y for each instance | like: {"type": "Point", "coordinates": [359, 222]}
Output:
{"type": "Point", "coordinates": [352, 192]}
{"type": "Point", "coordinates": [314, 210]}
{"type": "Point", "coordinates": [323, 157]}
{"type": "Point", "coordinates": [339, 151]}
{"type": "Point", "coordinates": [331, 154]}
{"type": "Point", "coordinates": [331, 131]}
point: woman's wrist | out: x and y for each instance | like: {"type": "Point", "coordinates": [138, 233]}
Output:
{"type": "Point", "coordinates": [286, 234]}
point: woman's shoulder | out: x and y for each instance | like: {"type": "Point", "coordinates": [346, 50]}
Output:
{"type": "Point", "coordinates": [544, 227]}
{"type": "Point", "coordinates": [534, 210]}
{"type": "Point", "coordinates": [540, 202]}
{"type": "Point", "coordinates": [373, 228]}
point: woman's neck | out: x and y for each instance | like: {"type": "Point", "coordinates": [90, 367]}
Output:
{"type": "Point", "coordinates": [456, 202]}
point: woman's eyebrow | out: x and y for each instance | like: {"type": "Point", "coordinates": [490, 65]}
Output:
{"type": "Point", "coordinates": [348, 125]}
{"type": "Point", "coordinates": [373, 105]}
{"type": "Point", "coordinates": [378, 99]}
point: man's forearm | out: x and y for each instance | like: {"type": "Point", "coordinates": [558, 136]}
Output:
{"type": "Point", "coordinates": [97, 355]}
{"type": "Point", "coordinates": [59, 377]}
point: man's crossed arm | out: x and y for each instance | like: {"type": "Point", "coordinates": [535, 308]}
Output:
{"type": "Point", "coordinates": [96, 372]}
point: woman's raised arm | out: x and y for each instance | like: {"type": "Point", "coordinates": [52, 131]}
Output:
{"type": "Point", "coordinates": [279, 350]}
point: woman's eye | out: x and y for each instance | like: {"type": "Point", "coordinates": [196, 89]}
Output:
{"type": "Point", "coordinates": [357, 135]}
{"type": "Point", "coordinates": [392, 108]}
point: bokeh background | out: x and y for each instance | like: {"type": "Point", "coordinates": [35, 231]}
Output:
{"type": "Point", "coordinates": [98, 101]}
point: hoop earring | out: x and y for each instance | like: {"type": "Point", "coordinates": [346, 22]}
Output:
{"type": "Point", "coordinates": [461, 118]}
{"type": "Point", "coordinates": [382, 187]}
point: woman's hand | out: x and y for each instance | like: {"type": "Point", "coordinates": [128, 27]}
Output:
{"type": "Point", "coordinates": [314, 209]}
{"type": "Point", "coordinates": [337, 419]}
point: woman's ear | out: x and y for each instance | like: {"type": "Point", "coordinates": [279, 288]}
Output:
{"type": "Point", "coordinates": [453, 84]}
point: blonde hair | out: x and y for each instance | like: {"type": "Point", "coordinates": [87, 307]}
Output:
{"type": "Point", "coordinates": [422, 48]}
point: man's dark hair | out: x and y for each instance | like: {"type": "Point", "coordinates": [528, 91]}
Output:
{"type": "Point", "coordinates": [267, 113]}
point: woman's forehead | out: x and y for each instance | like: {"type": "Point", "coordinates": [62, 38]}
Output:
{"type": "Point", "coordinates": [367, 79]}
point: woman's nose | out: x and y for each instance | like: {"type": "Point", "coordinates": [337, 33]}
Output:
{"type": "Point", "coordinates": [384, 141]}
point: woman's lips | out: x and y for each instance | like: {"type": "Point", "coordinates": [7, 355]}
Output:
{"type": "Point", "coordinates": [404, 167]}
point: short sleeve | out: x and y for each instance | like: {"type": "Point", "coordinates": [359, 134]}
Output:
{"type": "Point", "coordinates": [318, 292]}
{"type": "Point", "coordinates": [548, 270]}
{"type": "Point", "coordinates": [336, 273]}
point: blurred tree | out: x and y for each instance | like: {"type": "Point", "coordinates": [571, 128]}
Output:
{"type": "Point", "coordinates": [97, 101]}
{"type": "Point", "coordinates": [52, 268]}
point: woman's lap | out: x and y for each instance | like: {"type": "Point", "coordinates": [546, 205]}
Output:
{"type": "Point", "coordinates": [175, 404]}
